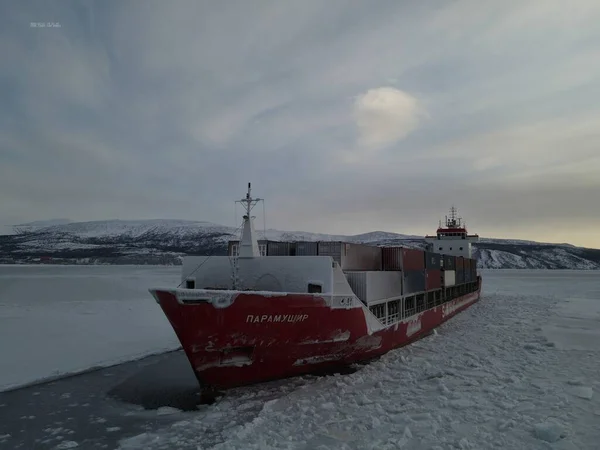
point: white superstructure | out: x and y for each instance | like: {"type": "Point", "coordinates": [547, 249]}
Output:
{"type": "Point", "coordinates": [453, 238]}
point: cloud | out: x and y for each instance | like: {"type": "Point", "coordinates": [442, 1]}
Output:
{"type": "Point", "coordinates": [385, 115]}
{"type": "Point", "coordinates": [527, 153]}
{"type": "Point", "coordinates": [158, 110]}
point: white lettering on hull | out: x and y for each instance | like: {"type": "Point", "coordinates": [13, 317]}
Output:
{"type": "Point", "coordinates": [279, 318]}
{"type": "Point", "coordinates": [450, 308]}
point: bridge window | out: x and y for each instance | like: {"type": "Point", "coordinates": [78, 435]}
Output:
{"type": "Point", "coordinates": [190, 284]}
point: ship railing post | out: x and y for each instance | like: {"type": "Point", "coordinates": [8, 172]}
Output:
{"type": "Point", "coordinates": [401, 312]}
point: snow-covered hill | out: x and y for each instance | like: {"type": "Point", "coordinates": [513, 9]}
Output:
{"type": "Point", "coordinates": [131, 228]}
{"type": "Point", "coordinates": [166, 241]}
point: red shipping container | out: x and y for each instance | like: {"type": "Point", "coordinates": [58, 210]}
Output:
{"type": "Point", "coordinates": [460, 262]}
{"type": "Point", "coordinates": [433, 279]}
{"type": "Point", "coordinates": [413, 259]}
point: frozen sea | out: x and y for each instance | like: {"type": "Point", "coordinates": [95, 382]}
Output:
{"type": "Point", "coordinates": [519, 370]}
{"type": "Point", "coordinates": [63, 319]}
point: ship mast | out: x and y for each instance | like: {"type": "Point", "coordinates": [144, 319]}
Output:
{"type": "Point", "coordinates": [248, 241]}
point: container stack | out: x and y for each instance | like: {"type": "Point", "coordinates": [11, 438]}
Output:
{"type": "Point", "coordinates": [400, 258]}
{"type": "Point", "coordinates": [460, 270]}
{"type": "Point", "coordinates": [352, 256]}
{"type": "Point", "coordinates": [275, 248]}
{"type": "Point", "coordinates": [470, 270]}
{"type": "Point", "coordinates": [391, 258]}
{"type": "Point", "coordinates": [467, 270]}
{"type": "Point", "coordinates": [307, 248]}
{"type": "Point", "coordinates": [233, 247]}
{"type": "Point", "coordinates": [448, 271]}
{"type": "Point", "coordinates": [449, 262]}
{"type": "Point", "coordinates": [414, 281]}
{"type": "Point", "coordinates": [474, 269]}
{"type": "Point", "coordinates": [433, 268]}
{"type": "Point", "coordinates": [377, 273]}
{"type": "Point", "coordinates": [410, 263]}
{"type": "Point", "coordinates": [413, 270]}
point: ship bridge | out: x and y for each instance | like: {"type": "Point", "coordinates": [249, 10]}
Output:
{"type": "Point", "coordinates": [452, 237]}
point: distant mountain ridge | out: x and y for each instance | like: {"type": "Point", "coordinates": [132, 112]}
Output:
{"type": "Point", "coordinates": [164, 241]}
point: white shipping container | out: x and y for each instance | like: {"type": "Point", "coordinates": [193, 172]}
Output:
{"type": "Point", "coordinates": [371, 286]}
{"type": "Point", "coordinates": [449, 277]}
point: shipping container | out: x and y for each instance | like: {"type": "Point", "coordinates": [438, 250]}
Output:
{"type": "Point", "coordinates": [307, 248]}
{"type": "Point", "coordinates": [448, 278]}
{"type": "Point", "coordinates": [467, 264]}
{"type": "Point", "coordinates": [400, 258]}
{"type": "Point", "coordinates": [391, 258]}
{"type": "Point", "coordinates": [433, 261]}
{"type": "Point", "coordinates": [460, 276]}
{"type": "Point", "coordinates": [362, 257]}
{"type": "Point", "coordinates": [460, 262]}
{"type": "Point", "coordinates": [275, 248]}
{"type": "Point", "coordinates": [233, 247]}
{"type": "Point", "coordinates": [413, 281]}
{"type": "Point", "coordinates": [331, 248]}
{"type": "Point", "coordinates": [449, 262]}
{"type": "Point", "coordinates": [433, 279]}
{"type": "Point", "coordinates": [371, 286]}
{"type": "Point", "coordinates": [413, 259]}
{"type": "Point", "coordinates": [352, 256]}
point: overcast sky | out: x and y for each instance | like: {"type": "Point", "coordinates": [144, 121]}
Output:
{"type": "Point", "coordinates": [347, 116]}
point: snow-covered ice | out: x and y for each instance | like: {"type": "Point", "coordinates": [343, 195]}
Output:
{"type": "Point", "coordinates": [66, 445]}
{"type": "Point", "coordinates": [166, 410]}
{"type": "Point", "coordinates": [495, 376]}
{"type": "Point", "coordinates": [63, 319]}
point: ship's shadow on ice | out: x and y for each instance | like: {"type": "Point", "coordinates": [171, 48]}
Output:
{"type": "Point", "coordinates": [170, 382]}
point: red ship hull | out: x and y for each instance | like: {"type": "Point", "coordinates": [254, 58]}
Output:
{"type": "Point", "coordinates": [256, 337]}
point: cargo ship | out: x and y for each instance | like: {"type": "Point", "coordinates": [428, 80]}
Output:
{"type": "Point", "coordinates": [271, 310]}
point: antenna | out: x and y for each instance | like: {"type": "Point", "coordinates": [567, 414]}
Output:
{"type": "Point", "coordinates": [248, 241]}
{"type": "Point", "coordinates": [454, 221]}
{"type": "Point", "coordinates": [249, 202]}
